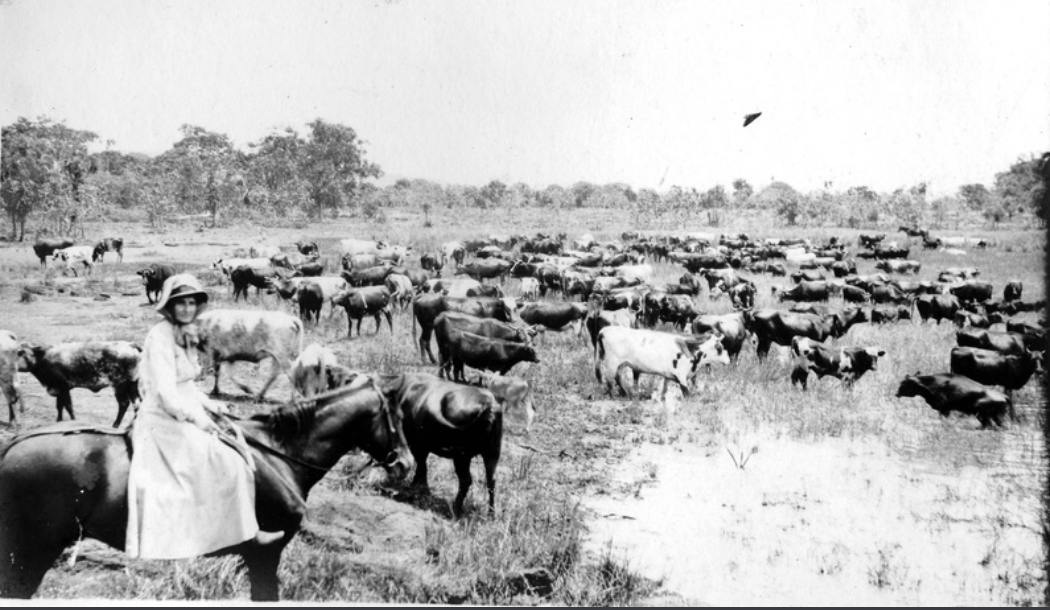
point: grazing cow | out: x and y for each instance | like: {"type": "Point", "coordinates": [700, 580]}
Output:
{"type": "Point", "coordinates": [947, 392]}
{"type": "Point", "coordinates": [310, 296]}
{"type": "Point", "coordinates": [453, 288]}
{"type": "Point", "coordinates": [774, 326]}
{"type": "Point", "coordinates": [955, 274]}
{"type": "Point", "coordinates": [371, 276]}
{"type": "Point", "coordinates": [244, 276]}
{"type": "Point", "coordinates": [929, 243]}
{"type": "Point", "coordinates": [1012, 290]}
{"type": "Point", "coordinates": [227, 265]}
{"type": "Point", "coordinates": [395, 254]}
{"type": "Point", "coordinates": [512, 393]}
{"type": "Point", "coordinates": [554, 316]}
{"type": "Point", "coordinates": [642, 273]}
{"type": "Point", "coordinates": [44, 248]}
{"type": "Point", "coordinates": [730, 325]}
{"type": "Point", "coordinates": [972, 290]}
{"type": "Point", "coordinates": [597, 320]}
{"type": "Point", "coordinates": [990, 367]}
{"type": "Point", "coordinates": [672, 357]}
{"type": "Point", "coordinates": [870, 241]}
{"type": "Point", "coordinates": [291, 260]}
{"type": "Point", "coordinates": [427, 307]}
{"type": "Point", "coordinates": [888, 293]}
{"type": "Point", "coordinates": [968, 318]}
{"type": "Point", "coordinates": [1008, 343]}
{"type": "Point", "coordinates": [679, 310]}
{"type": "Point", "coordinates": [93, 365]}
{"type": "Point", "coordinates": [431, 261]}
{"type": "Point", "coordinates": [891, 251]}
{"type": "Point", "coordinates": [530, 288]}
{"type": "Point", "coordinates": [854, 294]}
{"type": "Point", "coordinates": [452, 251]}
{"type": "Point", "coordinates": [450, 321]}
{"type": "Point", "coordinates": [9, 373]}
{"type": "Point", "coordinates": [847, 364]}
{"type": "Point", "coordinates": [74, 256]}
{"type": "Point", "coordinates": [485, 269]}
{"type": "Point", "coordinates": [307, 248]}
{"type": "Point", "coordinates": [315, 269]}
{"type": "Point", "coordinates": [230, 335]}
{"type": "Point", "coordinates": [937, 307]}
{"type": "Point", "coordinates": [360, 246]}
{"type": "Point", "coordinates": [153, 278]}
{"type": "Point", "coordinates": [804, 291]}
{"type": "Point", "coordinates": [483, 353]}
{"type": "Point", "coordinates": [899, 266]}
{"type": "Point", "coordinates": [810, 275]}
{"type": "Point", "coordinates": [367, 301]}
{"type": "Point", "coordinates": [317, 370]}
{"type": "Point", "coordinates": [355, 262]}
{"type": "Point", "coordinates": [882, 314]}
{"type": "Point", "coordinates": [330, 286]}
{"type": "Point", "coordinates": [486, 291]}
{"type": "Point", "coordinates": [452, 421]}
{"type": "Point", "coordinates": [401, 290]}
{"type": "Point", "coordinates": [109, 244]}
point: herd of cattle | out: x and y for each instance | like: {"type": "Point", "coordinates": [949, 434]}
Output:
{"type": "Point", "coordinates": [633, 323]}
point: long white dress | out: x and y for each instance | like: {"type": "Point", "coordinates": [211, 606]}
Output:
{"type": "Point", "coordinates": [188, 492]}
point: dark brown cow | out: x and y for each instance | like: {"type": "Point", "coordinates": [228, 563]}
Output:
{"type": "Point", "coordinates": [450, 321]}
{"type": "Point", "coordinates": [1002, 342]}
{"type": "Point", "coordinates": [427, 307]}
{"type": "Point", "coordinates": [452, 421]}
{"type": "Point", "coordinates": [1012, 290]}
{"type": "Point", "coordinates": [311, 299]}
{"type": "Point", "coordinates": [109, 244]}
{"type": "Point", "coordinates": [804, 291]}
{"type": "Point", "coordinates": [244, 276]}
{"type": "Point", "coordinates": [993, 368]}
{"type": "Point", "coordinates": [731, 325]}
{"type": "Point", "coordinates": [92, 365]}
{"type": "Point", "coordinates": [775, 326]}
{"type": "Point", "coordinates": [44, 248]}
{"type": "Point", "coordinates": [486, 354]}
{"type": "Point", "coordinates": [153, 279]}
{"type": "Point", "coordinates": [367, 301]}
{"type": "Point", "coordinates": [947, 392]}
{"type": "Point", "coordinates": [937, 307]}
{"type": "Point", "coordinates": [554, 316]}
{"type": "Point", "coordinates": [484, 269]}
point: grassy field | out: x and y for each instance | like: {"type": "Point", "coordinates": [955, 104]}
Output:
{"type": "Point", "coordinates": [618, 501]}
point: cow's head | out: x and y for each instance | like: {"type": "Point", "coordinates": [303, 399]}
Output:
{"type": "Point", "coordinates": [28, 355]}
{"type": "Point", "coordinates": [911, 386]}
{"type": "Point", "coordinates": [146, 274]}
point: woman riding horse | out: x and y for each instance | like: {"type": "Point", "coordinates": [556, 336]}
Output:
{"type": "Point", "coordinates": [190, 491]}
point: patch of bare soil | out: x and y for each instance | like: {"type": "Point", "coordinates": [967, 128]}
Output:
{"type": "Point", "coordinates": [835, 522]}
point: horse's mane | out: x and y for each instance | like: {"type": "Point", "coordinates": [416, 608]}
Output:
{"type": "Point", "coordinates": [289, 420]}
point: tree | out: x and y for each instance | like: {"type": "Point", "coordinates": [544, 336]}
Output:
{"type": "Point", "coordinates": [975, 196]}
{"type": "Point", "coordinates": [1021, 188]}
{"type": "Point", "coordinates": [274, 175]}
{"type": "Point", "coordinates": [41, 168]}
{"type": "Point", "coordinates": [742, 191]}
{"type": "Point", "coordinates": [582, 192]}
{"type": "Point", "coordinates": [494, 192]}
{"type": "Point", "coordinates": [715, 197]}
{"type": "Point", "coordinates": [335, 165]}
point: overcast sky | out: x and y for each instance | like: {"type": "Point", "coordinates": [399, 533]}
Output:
{"type": "Point", "coordinates": [884, 94]}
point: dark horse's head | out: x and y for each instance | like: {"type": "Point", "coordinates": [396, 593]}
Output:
{"type": "Point", "coordinates": [323, 428]}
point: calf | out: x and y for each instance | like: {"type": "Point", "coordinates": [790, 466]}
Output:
{"type": "Point", "coordinates": [367, 301]}
{"type": "Point", "coordinates": [109, 244]}
{"type": "Point", "coordinates": [229, 335]}
{"type": "Point", "coordinates": [483, 353]}
{"type": "Point", "coordinates": [92, 365]}
{"type": "Point", "coordinates": [9, 373]}
{"type": "Point", "coordinates": [672, 357]}
{"type": "Point", "coordinates": [153, 279]}
{"type": "Point", "coordinates": [44, 248]}
{"type": "Point", "coordinates": [993, 368]}
{"type": "Point", "coordinates": [947, 392]}
{"type": "Point", "coordinates": [317, 370]}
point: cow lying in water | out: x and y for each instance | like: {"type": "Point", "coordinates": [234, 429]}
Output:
{"type": "Point", "coordinates": [449, 420]}
{"type": "Point", "coordinates": [673, 357]}
{"type": "Point", "coordinates": [848, 364]}
{"type": "Point", "coordinates": [92, 365]}
{"type": "Point", "coordinates": [947, 392]}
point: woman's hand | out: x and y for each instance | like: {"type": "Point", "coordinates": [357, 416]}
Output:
{"type": "Point", "coordinates": [216, 406]}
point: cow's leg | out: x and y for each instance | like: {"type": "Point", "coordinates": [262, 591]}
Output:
{"type": "Point", "coordinates": [491, 460]}
{"type": "Point", "coordinates": [276, 368]}
{"type": "Point", "coordinates": [379, 323]}
{"type": "Point", "coordinates": [217, 365]}
{"type": "Point", "coordinates": [64, 402]}
{"type": "Point", "coordinates": [462, 464]}
{"type": "Point", "coordinates": [389, 319]}
{"type": "Point", "coordinates": [424, 343]}
{"type": "Point", "coordinates": [419, 479]}
{"type": "Point", "coordinates": [13, 397]}
{"type": "Point", "coordinates": [123, 400]}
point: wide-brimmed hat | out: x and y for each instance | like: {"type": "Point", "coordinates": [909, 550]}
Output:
{"type": "Point", "coordinates": [181, 285]}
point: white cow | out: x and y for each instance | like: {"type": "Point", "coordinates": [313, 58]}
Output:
{"type": "Point", "coordinates": [317, 370]}
{"type": "Point", "coordinates": [263, 251]}
{"type": "Point", "coordinates": [360, 246]}
{"type": "Point", "coordinates": [452, 251]}
{"type": "Point", "coordinates": [76, 255]}
{"type": "Point", "coordinates": [673, 357]}
{"type": "Point", "coordinates": [232, 335]}
{"type": "Point", "coordinates": [643, 273]}
{"type": "Point", "coordinates": [530, 288]}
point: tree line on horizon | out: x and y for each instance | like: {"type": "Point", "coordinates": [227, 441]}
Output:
{"type": "Point", "coordinates": [48, 174]}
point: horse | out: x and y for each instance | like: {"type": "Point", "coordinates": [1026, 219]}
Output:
{"type": "Point", "coordinates": [54, 491]}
